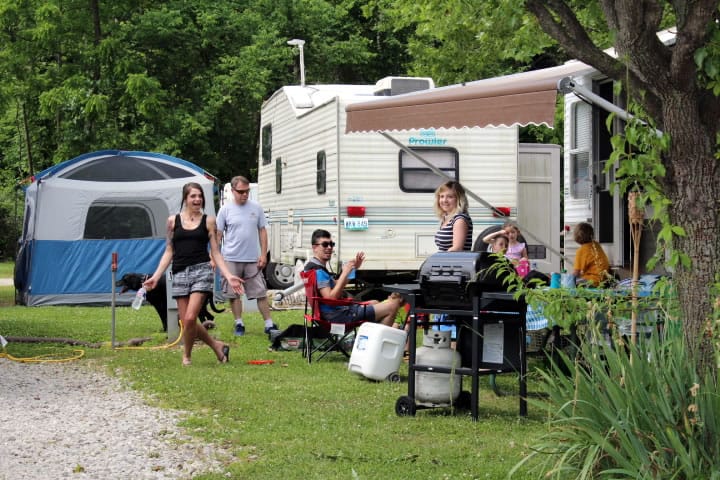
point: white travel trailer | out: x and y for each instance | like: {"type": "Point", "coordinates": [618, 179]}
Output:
{"type": "Point", "coordinates": [589, 194]}
{"type": "Point", "coordinates": [374, 196]}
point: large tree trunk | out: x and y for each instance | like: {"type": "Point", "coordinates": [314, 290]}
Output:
{"type": "Point", "coordinates": [693, 188]}
{"type": "Point", "coordinates": [665, 82]}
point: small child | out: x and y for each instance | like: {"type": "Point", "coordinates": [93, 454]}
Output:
{"type": "Point", "coordinates": [499, 244]}
{"type": "Point", "coordinates": [591, 266]}
{"type": "Point", "coordinates": [515, 250]}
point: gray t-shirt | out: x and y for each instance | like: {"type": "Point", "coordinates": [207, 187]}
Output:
{"type": "Point", "coordinates": [240, 225]}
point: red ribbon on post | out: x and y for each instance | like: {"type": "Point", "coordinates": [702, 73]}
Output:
{"type": "Point", "coordinates": [114, 261]}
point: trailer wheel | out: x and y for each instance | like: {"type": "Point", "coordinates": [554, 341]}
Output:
{"type": "Point", "coordinates": [279, 275]}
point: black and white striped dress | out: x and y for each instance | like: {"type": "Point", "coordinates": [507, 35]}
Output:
{"type": "Point", "coordinates": [444, 235]}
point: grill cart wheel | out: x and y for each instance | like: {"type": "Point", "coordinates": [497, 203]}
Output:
{"type": "Point", "coordinates": [405, 407]}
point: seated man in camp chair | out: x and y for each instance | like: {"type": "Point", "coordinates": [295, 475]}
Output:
{"type": "Point", "coordinates": [331, 288]}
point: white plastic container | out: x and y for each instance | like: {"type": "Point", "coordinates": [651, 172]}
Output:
{"type": "Point", "coordinates": [377, 352]}
{"type": "Point", "coordinates": [433, 388]}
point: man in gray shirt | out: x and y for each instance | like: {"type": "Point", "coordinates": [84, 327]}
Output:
{"type": "Point", "coordinates": [241, 227]}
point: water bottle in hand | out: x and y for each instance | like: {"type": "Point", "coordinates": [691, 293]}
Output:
{"type": "Point", "coordinates": [139, 297]}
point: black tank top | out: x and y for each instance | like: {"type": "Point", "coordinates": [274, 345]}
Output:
{"type": "Point", "coordinates": [190, 247]}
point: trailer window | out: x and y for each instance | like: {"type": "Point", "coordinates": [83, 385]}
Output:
{"type": "Point", "coordinates": [415, 176]}
{"type": "Point", "coordinates": [266, 144]}
{"type": "Point", "coordinates": [580, 184]}
{"type": "Point", "coordinates": [320, 183]}
{"type": "Point", "coordinates": [278, 175]}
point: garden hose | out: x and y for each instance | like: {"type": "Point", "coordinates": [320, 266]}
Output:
{"type": "Point", "coordinates": [47, 358]}
{"type": "Point", "coordinates": [158, 347]}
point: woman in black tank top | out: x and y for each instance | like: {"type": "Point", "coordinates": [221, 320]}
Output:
{"type": "Point", "coordinates": [188, 235]}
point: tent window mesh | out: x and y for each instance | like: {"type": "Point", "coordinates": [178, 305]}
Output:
{"type": "Point", "coordinates": [415, 176]}
{"type": "Point", "coordinates": [126, 169]}
{"type": "Point", "coordinates": [118, 221]}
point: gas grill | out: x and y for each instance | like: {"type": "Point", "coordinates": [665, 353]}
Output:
{"type": "Point", "coordinates": [451, 279]}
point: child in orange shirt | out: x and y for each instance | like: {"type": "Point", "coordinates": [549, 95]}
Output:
{"type": "Point", "coordinates": [592, 266]}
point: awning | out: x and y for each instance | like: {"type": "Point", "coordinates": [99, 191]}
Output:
{"type": "Point", "coordinates": [518, 99]}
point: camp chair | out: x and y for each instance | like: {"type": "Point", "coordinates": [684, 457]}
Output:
{"type": "Point", "coordinates": [332, 337]}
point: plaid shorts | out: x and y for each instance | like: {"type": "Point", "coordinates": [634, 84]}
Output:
{"type": "Point", "coordinates": [195, 278]}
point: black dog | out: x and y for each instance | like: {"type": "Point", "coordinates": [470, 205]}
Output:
{"type": "Point", "coordinates": [157, 297]}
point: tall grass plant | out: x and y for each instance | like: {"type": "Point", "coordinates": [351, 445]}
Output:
{"type": "Point", "coordinates": [632, 411]}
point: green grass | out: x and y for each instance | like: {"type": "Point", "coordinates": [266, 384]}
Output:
{"type": "Point", "coordinates": [6, 269]}
{"type": "Point", "coordinates": [289, 420]}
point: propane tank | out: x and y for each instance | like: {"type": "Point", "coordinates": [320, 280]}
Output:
{"type": "Point", "coordinates": [433, 387]}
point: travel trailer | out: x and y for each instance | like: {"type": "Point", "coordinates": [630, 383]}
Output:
{"type": "Point", "coordinates": [589, 195]}
{"type": "Point", "coordinates": [530, 98]}
{"type": "Point", "coordinates": [375, 196]}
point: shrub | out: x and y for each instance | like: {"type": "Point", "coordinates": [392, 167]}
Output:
{"type": "Point", "coordinates": [632, 411]}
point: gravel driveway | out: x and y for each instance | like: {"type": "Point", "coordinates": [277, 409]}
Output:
{"type": "Point", "coordinates": [64, 420]}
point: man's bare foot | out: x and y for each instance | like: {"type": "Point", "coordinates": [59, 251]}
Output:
{"type": "Point", "coordinates": [186, 362]}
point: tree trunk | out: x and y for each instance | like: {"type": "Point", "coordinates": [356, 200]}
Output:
{"type": "Point", "coordinates": [693, 188]}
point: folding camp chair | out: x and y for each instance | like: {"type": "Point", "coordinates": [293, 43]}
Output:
{"type": "Point", "coordinates": [321, 335]}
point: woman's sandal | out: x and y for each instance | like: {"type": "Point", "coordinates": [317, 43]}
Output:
{"type": "Point", "coordinates": [226, 354]}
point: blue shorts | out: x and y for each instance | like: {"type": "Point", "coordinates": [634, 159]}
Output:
{"type": "Point", "coordinates": [349, 313]}
{"type": "Point", "coordinates": [195, 278]}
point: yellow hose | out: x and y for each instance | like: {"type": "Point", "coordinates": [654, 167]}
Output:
{"type": "Point", "coordinates": [47, 358]}
{"type": "Point", "coordinates": [158, 347]}
{"type": "Point", "coordinates": [78, 353]}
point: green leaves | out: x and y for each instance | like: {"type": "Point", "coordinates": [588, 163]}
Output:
{"type": "Point", "coordinates": [630, 411]}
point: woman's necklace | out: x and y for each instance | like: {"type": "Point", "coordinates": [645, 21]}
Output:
{"type": "Point", "coordinates": [191, 217]}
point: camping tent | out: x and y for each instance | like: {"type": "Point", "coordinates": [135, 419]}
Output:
{"type": "Point", "coordinates": [79, 212]}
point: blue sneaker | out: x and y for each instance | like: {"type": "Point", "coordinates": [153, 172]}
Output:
{"type": "Point", "coordinates": [239, 330]}
{"type": "Point", "coordinates": [271, 328]}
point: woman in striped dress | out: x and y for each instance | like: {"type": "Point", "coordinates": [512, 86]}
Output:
{"type": "Point", "coordinates": [456, 228]}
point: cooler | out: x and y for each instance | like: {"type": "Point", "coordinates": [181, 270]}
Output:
{"type": "Point", "coordinates": [377, 352]}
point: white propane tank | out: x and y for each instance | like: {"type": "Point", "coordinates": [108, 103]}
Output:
{"type": "Point", "coordinates": [432, 387]}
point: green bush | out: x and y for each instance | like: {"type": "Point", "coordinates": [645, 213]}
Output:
{"type": "Point", "coordinates": [11, 218]}
{"type": "Point", "coordinates": [633, 411]}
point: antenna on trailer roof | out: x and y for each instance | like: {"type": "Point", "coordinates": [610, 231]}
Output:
{"type": "Point", "coordinates": [299, 43]}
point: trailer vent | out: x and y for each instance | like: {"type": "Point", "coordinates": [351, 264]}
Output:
{"type": "Point", "coordinates": [391, 86]}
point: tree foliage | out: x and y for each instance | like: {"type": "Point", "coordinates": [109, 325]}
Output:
{"type": "Point", "coordinates": [181, 78]}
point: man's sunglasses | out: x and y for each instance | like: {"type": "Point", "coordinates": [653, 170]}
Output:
{"type": "Point", "coordinates": [242, 192]}
{"type": "Point", "coordinates": [326, 244]}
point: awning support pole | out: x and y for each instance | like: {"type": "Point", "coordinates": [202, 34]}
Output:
{"type": "Point", "coordinates": [470, 193]}
{"type": "Point", "coordinates": [567, 85]}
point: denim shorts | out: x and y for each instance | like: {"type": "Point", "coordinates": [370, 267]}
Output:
{"type": "Point", "coordinates": [349, 313]}
{"type": "Point", "coordinates": [195, 278]}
